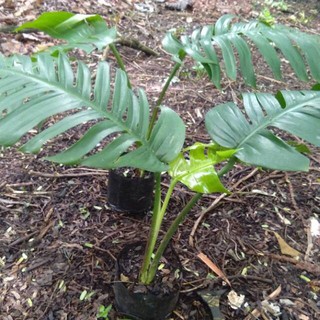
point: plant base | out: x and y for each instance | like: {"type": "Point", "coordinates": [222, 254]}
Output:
{"type": "Point", "coordinates": [142, 302]}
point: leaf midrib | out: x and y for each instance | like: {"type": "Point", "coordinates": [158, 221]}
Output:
{"type": "Point", "coordinates": [267, 122]}
{"type": "Point", "coordinates": [209, 163]}
{"type": "Point", "coordinates": [74, 93]}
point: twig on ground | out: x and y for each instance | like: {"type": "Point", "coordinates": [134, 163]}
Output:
{"type": "Point", "coordinates": [10, 202]}
{"type": "Point", "coordinates": [65, 175]}
{"type": "Point", "coordinates": [274, 176]}
{"type": "Point", "coordinates": [200, 286]}
{"type": "Point", "coordinates": [245, 178]}
{"type": "Point", "coordinates": [85, 169]}
{"type": "Point", "coordinates": [302, 265]}
{"type": "Point", "coordinates": [21, 184]}
{"type": "Point", "coordinates": [271, 80]}
{"type": "Point", "coordinates": [215, 204]}
{"type": "Point", "coordinates": [131, 43]}
{"type": "Point", "coordinates": [202, 214]}
{"type": "Point", "coordinates": [44, 231]}
{"type": "Point", "coordinates": [256, 312]}
{"type": "Point", "coordinates": [136, 44]}
{"type": "Point", "coordinates": [106, 251]}
{"type": "Point", "coordinates": [5, 209]}
{"type": "Point", "coordinates": [38, 265]}
{"type": "Point", "coordinates": [293, 200]}
{"type": "Point", "coordinates": [205, 196]}
{"type": "Point", "coordinates": [314, 158]}
{"type": "Point", "coordinates": [252, 278]}
{"type": "Point", "coordinates": [22, 239]}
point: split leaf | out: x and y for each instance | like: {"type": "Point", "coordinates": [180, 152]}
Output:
{"type": "Point", "coordinates": [196, 169]}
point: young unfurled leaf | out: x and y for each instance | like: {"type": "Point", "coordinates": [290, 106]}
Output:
{"type": "Point", "coordinates": [197, 172]}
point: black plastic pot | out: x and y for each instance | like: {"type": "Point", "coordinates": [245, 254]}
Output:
{"type": "Point", "coordinates": [149, 303]}
{"type": "Point", "coordinates": [130, 194]}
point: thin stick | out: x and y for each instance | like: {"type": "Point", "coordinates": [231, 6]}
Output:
{"type": "Point", "coordinates": [293, 200]}
{"type": "Point", "coordinates": [272, 80]}
{"type": "Point", "coordinates": [137, 45]}
{"type": "Point", "coordinates": [215, 204]}
{"type": "Point", "coordinates": [22, 239]}
{"type": "Point", "coordinates": [202, 214]}
{"type": "Point", "coordinates": [65, 175]}
{"type": "Point", "coordinates": [256, 312]}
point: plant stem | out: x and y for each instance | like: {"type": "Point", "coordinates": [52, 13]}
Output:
{"type": "Point", "coordinates": [157, 217]}
{"type": "Point", "coordinates": [150, 268]}
{"type": "Point", "coordinates": [227, 167]}
{"type": "Point", "coordinates": [171, 231]}
{"type": "Point", "coordinates": [163, 92]}
{"type": "Point", "coordinates": [119, 61]}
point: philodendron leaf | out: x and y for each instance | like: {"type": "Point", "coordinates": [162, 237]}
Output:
{"type": "Point", "coordinates": [110, 119]}
{"type": "Point", "coordinates": [226, 48]}
{"type": "Point", "coordinates": [86, 32]}
{"type": "Point", "coordinates": [197, 172]}
{"type": "Point", "coordinates": [297, 112]}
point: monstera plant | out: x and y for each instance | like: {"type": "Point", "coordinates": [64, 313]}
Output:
{"type": "Point", "coordinates": [125, 131]}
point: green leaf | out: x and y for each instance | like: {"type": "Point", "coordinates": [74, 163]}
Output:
{"type": "Point", "coordinates": [104, 311]}
{"type": "Point", "coordinates": [300, 147]}
{"type": "Point", "coordinates": [297, 112]}
{"type": "Point", "coordinates": [236, 40]}
{"type": "Point", "coordinates": [316, 87]}
{"type": "Point", "coordinates": [172, 46]}
{"type": "Point", "coordinates": [119, 119]}
{"type": "Point", "coordinates": [85, 32]}
{"type": "Point", "coordinates": [197, 172]}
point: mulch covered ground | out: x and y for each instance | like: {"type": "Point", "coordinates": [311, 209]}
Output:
{"type": "Point", "coordinates": [59, 238]}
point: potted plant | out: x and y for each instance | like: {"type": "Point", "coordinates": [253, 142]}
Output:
{"type": "Point", "coordinates": [122, 133]}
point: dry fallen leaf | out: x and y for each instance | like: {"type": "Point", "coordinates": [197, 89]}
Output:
{"type": "Point", "coordinates": [272, 308]}
{"type": "Point", "coordinates": [285, 248]}
{"type": "Point", "coordinates": [124, 278]}
{"type": "Point", "coordinates": [213, 267]}
{"type": "Point", "coordinates": [315, 285]}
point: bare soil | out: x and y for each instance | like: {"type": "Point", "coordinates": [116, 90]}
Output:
{"type": "Point", "coordinates": [59, 238]}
